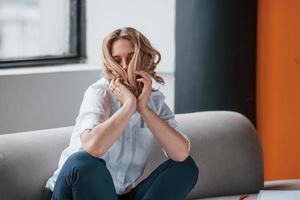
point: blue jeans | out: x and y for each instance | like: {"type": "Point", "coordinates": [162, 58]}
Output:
{"type": "Point", "coordinates": [85, 177]}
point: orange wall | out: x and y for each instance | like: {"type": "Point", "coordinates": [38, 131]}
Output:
{"type": "Point", "coordinates": [278, 87]}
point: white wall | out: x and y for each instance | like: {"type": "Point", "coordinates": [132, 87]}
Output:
{"type": "Point", "coordinates": [154, 18]}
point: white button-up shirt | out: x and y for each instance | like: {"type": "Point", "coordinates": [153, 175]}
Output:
{"type": "Point", "coordinates": [127, 157]}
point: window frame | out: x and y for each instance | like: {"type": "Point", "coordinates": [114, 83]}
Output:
{"type": "Point", "coordinates": [77, 43]}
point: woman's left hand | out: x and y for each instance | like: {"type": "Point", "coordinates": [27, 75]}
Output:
{"type": "Point", "coordinates": [142, 99]}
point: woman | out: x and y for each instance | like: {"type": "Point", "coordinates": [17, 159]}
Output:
{"type": "Point", "coordinates": [119, 118]}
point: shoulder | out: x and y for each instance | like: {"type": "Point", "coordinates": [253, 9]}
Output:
{"type": "Point", "coordinates": [158, 95]}
{"type": "Point", "coordinates": [98, 92]}
{"type": "Point", "coordinates": [99, 87]}
{"type": "Point", "coordinates": [157, 99]}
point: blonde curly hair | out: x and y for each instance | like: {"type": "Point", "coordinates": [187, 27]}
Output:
{"type": "Point", "coordinates": [145, 58]}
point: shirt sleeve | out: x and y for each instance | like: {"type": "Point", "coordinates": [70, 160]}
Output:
{"type": "Point", "coordinates": [94, 109]}
{"type": "Point", "coordinates": [168, 115]}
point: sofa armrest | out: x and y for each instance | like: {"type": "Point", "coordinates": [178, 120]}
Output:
{"type": "Point", "coordinates": [28, 159]}
{"type": "Point", "coordinates": [227, 150]}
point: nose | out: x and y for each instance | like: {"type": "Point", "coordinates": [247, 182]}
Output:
{"type": "Point", "coordinates": [124, 64]}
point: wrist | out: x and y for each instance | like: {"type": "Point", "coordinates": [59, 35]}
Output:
{"type": "Point", "coordinates": [131, 105]}
{"type": "Point", "coordinates": [143, 109]}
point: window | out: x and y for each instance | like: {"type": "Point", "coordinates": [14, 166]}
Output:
{"type": "Point", "coordinates": [41, 32]}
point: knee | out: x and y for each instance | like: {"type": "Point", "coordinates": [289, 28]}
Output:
{"type": "Point", "coordinates": [81, 168]}
{"type": "Point", "coordinates": [84, 162]}
{"type": "Point", "coordinates": [189, 167]}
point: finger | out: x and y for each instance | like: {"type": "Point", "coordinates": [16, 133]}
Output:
{"type": "Point", "coordinates": [144, 72]}
{"type": "Point", "coordinates": [142, 80]}
{"type": "Point", "coordinates": [141, 74]}
{"type": "Point", "coordinates": [148, 76]}
{"type": "Point", "coordinates": [111, 83]}
{"type": "Point", "coordinates": [113, 87]}
{"type": "Point", "coordinates": [145, 75]}
{"type": "Point", "coordinates": [117, 82]}
{"type": "Point", "coordinates": [114, 91]}
{"type": "Point", "coordinates": [114, 83]}
{"type": "Point", "coordinates": [117, 91]}
{"type": "Point", "coordinates": [147, 80]}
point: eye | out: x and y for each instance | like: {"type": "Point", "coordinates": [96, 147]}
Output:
{"type": "Point", "coordinates": [130, 55]}
{"type": "Point", "coordinates": [118, 60]}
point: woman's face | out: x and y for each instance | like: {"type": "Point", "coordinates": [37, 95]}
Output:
{"type": "Point", "coordinates": [122, 52]}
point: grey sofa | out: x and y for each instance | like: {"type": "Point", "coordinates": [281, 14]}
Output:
{"type": "Point", "coordinates": [224, 145]}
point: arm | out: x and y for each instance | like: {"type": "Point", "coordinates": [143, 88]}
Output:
{"type": "Point", "coordinates": [96, 141]}
{"type": "Point", "coordinates": [176, 146]}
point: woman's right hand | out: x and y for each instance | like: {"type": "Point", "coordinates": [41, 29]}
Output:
{"type": "Point", "coordinates": [121, 92]}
